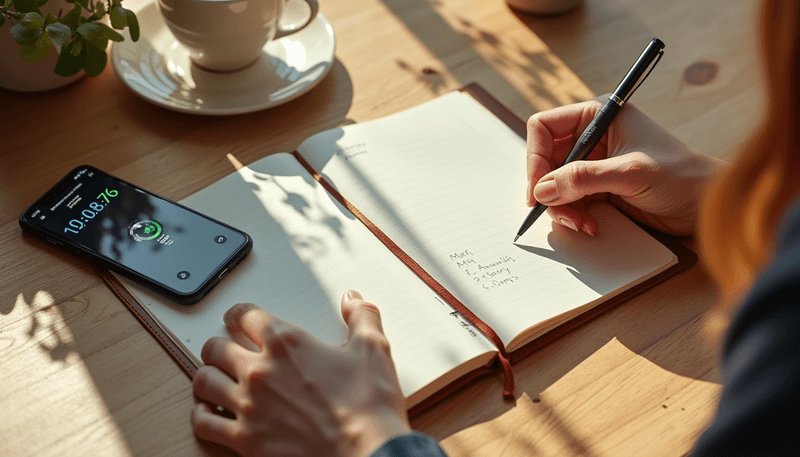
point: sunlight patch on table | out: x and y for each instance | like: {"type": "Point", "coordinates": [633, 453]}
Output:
{"type": "Point", "coordinates": [50, 369]}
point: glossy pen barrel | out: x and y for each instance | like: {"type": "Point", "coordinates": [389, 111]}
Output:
{"type": "Point", "coordinates": [590, 137]}
{"type": "Point", "coordinates": [585, 144]}
{"type": "Point", "coordinates": [639, 69]}
{"type": "Point", "coordinates": [602, 119]}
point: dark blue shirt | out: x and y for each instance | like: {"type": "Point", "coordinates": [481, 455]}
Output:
{"type": "Point", "coordinates": [412, 444]}
{"type": "Point", "coordinates": [760, 402]}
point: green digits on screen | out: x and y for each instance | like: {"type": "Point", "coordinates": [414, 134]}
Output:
{"type": "Point", "coordinates": [89, 213]}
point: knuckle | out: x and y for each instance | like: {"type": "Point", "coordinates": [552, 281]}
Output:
{"type": "Point", "coordinates": [277, 346]}
{"type": "Point", "coordinates": [279, 339]}
{"type": "Point", "coordinates": [260, 373]}
{"type": "Point", "coordinates": [268, 331]}
{"type": "Point", "coordinates": [245, 405]}
{"type": "Point", "coordinates": [370, 308]}
{"type": "Point", "coordinates": [374, 340]}
{"type": "Point", "coordinates": [293, 336]}
{"type": "Point", "coordinates": [576, 177]}
{"type": "Point", "coordinates": [637, 163]}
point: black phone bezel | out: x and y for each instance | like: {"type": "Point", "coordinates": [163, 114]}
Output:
{"type": "Point", "coordinates": [60, 241]}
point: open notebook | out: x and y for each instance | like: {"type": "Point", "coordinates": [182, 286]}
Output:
{"type": "Point", "coordinates": [443, 183]}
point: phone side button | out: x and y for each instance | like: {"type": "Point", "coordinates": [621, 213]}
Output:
{"type": "Point", "coordinates": [223, 273]}
{"type": "Point", "coordinates": [54, 242]}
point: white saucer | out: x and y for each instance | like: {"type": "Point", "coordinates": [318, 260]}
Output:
{"type": "Point", "coordinates": [158, 69]}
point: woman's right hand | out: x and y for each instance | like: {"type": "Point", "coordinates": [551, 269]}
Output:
{"type": "Point", "coordinates": [638, 166]}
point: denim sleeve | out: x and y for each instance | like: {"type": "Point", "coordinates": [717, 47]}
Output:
{"type": "Point", "coordinates": [412, 444]}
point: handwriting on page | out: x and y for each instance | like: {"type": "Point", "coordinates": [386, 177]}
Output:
{"type": "Point", "coordinates": [491, 274]}
{"type": "Point", "coordinates": [350, 151]}
{"type": "Point", "coordinates": [462, 321]}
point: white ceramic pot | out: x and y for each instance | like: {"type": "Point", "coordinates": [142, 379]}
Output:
{"type": "Point", "coordinates": [17, 74]}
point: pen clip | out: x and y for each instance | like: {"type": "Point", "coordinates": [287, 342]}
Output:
{"type": "Point", "coordinates": [641, 80]}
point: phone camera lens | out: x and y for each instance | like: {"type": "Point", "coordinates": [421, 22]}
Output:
{"type": "Point", "coordinates": [183, 275]}
{"type": "Point", "coordinates": [219, 239]}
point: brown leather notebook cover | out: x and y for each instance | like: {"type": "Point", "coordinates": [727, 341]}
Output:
{"type": "Point", "coordinates": [686, 258]}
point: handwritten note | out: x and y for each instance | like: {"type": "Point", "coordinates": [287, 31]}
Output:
{"type": "Point", "coordinates": [446, 181]}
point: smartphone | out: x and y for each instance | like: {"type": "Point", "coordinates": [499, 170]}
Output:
{"type": "Point", "coordinates": [162, 245]}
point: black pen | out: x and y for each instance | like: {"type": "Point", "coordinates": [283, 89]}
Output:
{"type": "Point", "coordinates": [597, 128]}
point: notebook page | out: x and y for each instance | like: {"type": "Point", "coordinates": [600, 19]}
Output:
{"type": "Point", "coordinates": [446, 181]}
{"type": "Point", "coordinates": [307, 250]}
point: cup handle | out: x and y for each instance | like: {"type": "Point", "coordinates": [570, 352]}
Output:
{"type": "Point", "coordinates": [280, 32]}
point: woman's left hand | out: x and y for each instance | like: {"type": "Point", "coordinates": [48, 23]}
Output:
{"type": "Point", "coordinates": [297, 395]}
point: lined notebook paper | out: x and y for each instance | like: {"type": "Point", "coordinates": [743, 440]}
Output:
{"type": "Point", "coordinates": [446, 182]}
{"type": "Point", "coordinates": [307, 250]}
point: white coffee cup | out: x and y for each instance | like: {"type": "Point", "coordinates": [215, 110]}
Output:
{"type": "Point", "coordinates": [228, 35]}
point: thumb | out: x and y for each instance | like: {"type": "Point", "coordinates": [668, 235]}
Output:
{"type": "Point", "coordinates": [363, 319]}
{"type": "Point", "coordinates": [622, 175]}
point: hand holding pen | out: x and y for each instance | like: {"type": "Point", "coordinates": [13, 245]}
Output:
{"type": "Point", "coordinates": [598, 126]}
{"type": "Point", "coordinates": [638, 166]}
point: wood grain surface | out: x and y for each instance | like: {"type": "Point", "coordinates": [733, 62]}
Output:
{"type": "Point", "coordinates": [80, 376]}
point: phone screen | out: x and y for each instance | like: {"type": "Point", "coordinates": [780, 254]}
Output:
{"type": "Point", "coordinates": [158, 239]}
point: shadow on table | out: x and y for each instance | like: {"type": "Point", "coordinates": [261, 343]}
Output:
{"type": "Point", "coordinates": [325, 107]}
{"type": "Point", "coordinates": [574, 34]}
{"type": "Point", "coordinates": [470, 65]}
{"type": "Point", "coordinates": [61, 329]}
{"type": "Point", "coordinates": [639, 326]}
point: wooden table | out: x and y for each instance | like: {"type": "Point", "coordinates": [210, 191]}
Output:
{"type": "Point", "coordinates": [80, 376]}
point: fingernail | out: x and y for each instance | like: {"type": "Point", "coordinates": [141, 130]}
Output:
{"type": "Point", "coordinates": [353, 295]}
{"type": "Point", "coordinates": [585, 228]}
{"type": "Point", "coordinates": [568, 223]}
{"type": "Point", "coordinates": [545, 192]}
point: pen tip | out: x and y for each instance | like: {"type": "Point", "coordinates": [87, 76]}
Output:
{"type": "Point", "coordinates": [516, 238]}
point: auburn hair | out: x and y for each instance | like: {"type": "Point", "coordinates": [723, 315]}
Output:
{"type": "Point", "coordinates": [744, 204]}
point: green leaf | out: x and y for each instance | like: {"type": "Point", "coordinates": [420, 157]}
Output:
{"type": "Point", "coordinates": [118, 20]}
{"type": "Point", "coordinates": [109, 33]}
{"type": "Point", "coordinates": [2, 19]}
{"type": "Point", "coordinates": [97, 15]}
{"type": "Point", "coordinates": [38, 51]}
{"type": "Point", "coordinates": [32, 21]}
{"type": "Point", "coordinates": [133, 25]}
{"type": "Point", "coordinates": [50, 19]}
{"type": "Point", "coordinates": [39, 3]}
{"type": "Point", "coordinates": [83, 3]}
{"type": "Point", "coordinates": [72, 58]}
{"type": "Point", "coordinates": [72, 18]}
{"type": "Point", "coordinates": [24, 35]}
{"type": "Point", "coordinates": [24, 6]}
{"type": "Point", "coordinates": [93, 34]}
{"type": "Point", "coordinates": [96, 60]}
{"type": "Point", "coordinates": [60, 34]}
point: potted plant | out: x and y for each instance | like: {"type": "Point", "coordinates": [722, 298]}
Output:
{"type": "Point", "coordinates": [77, 30]}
